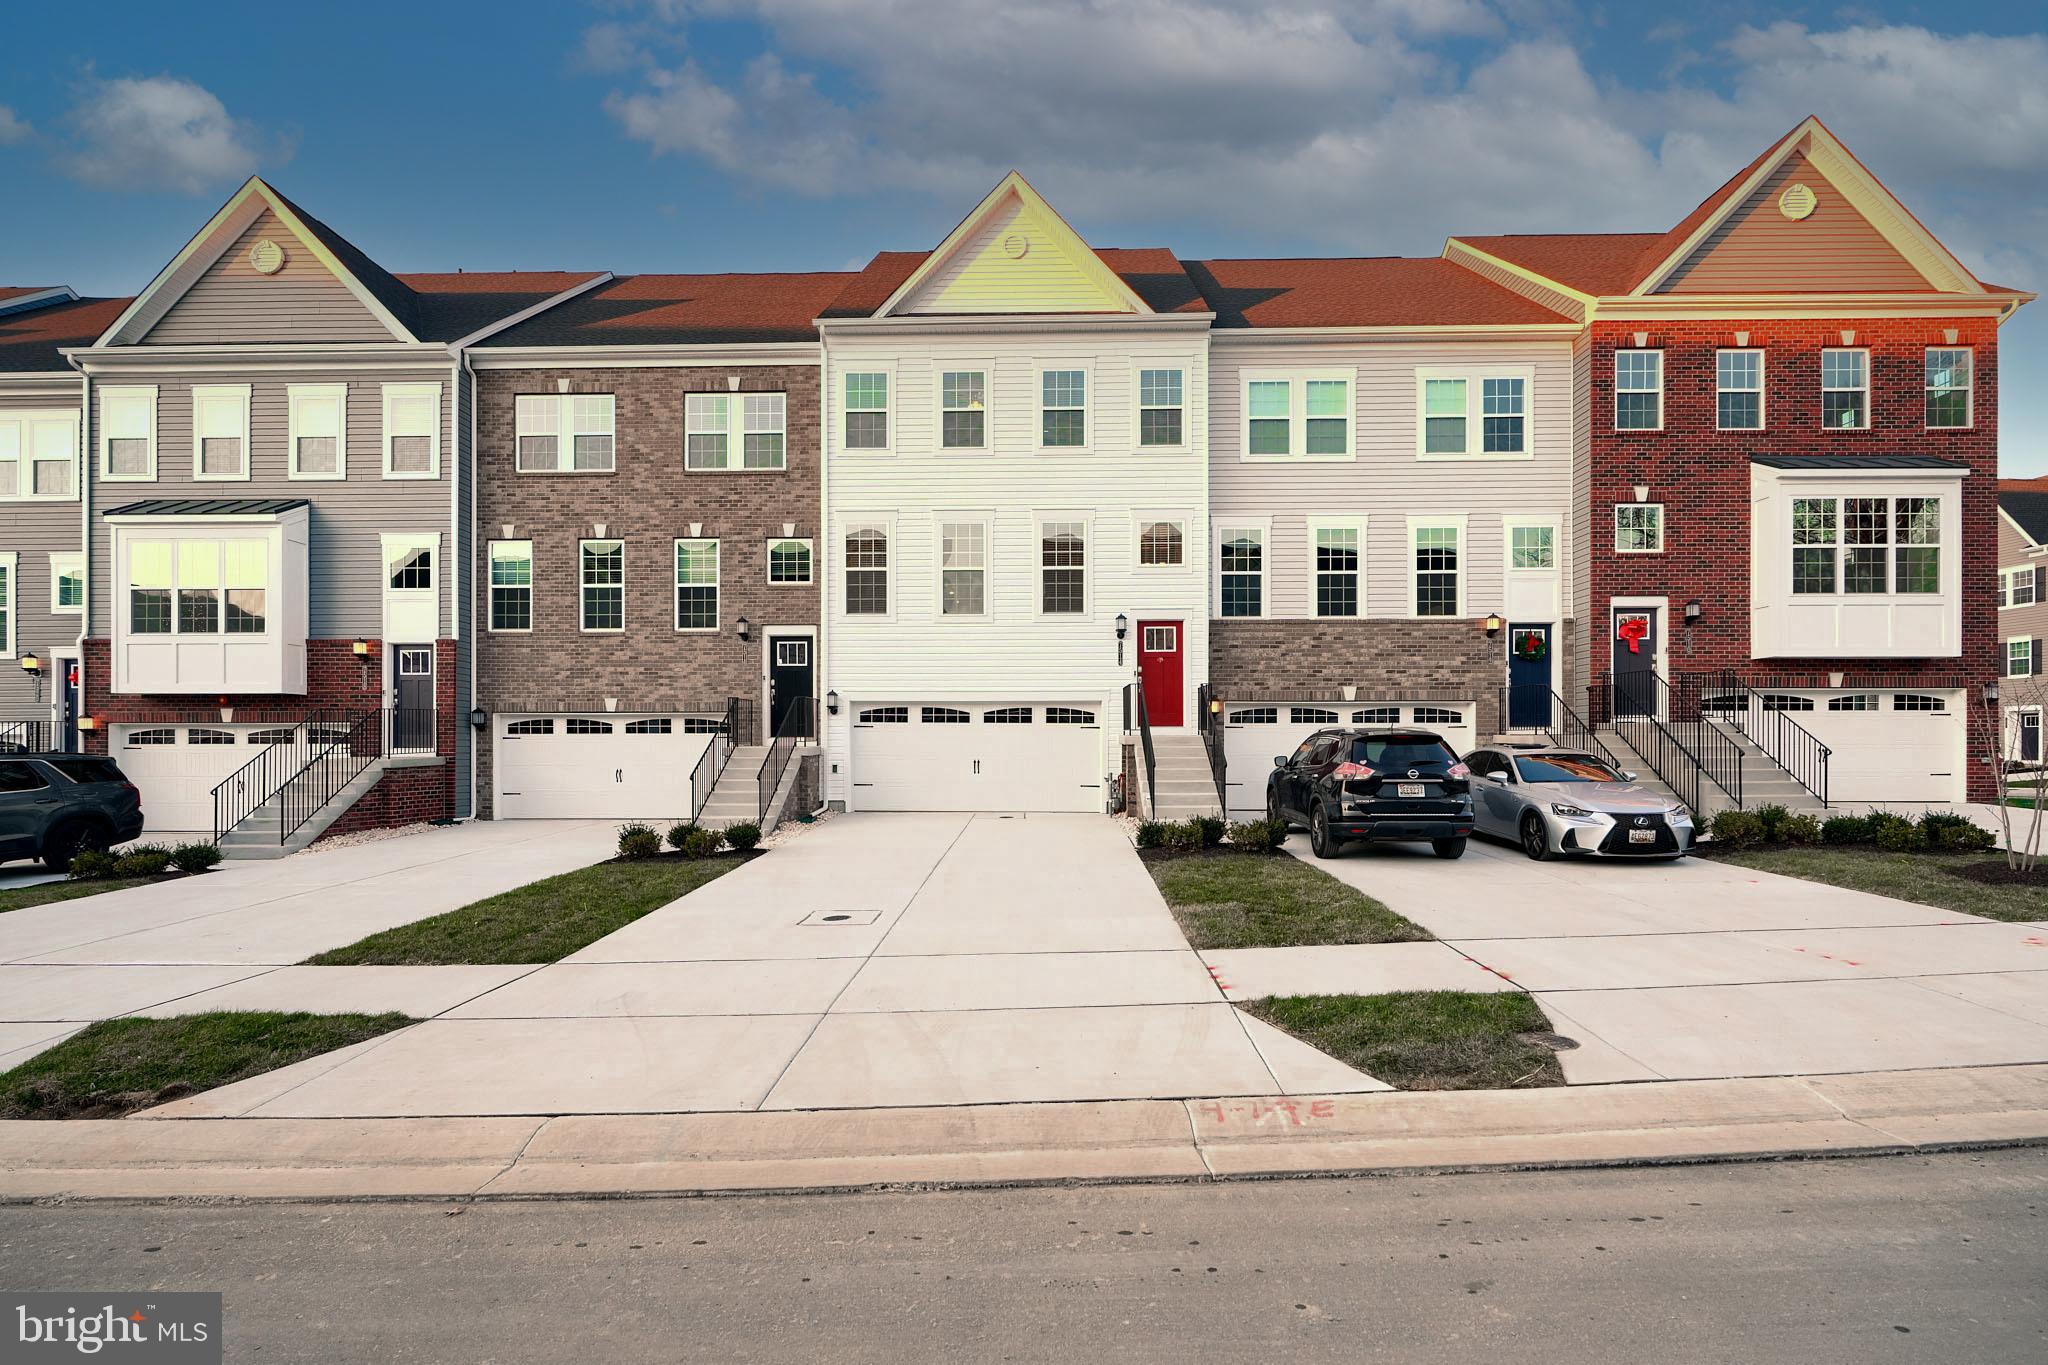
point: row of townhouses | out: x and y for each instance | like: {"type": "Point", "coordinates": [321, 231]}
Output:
{"type": "Point", "coordinates": [997, 525]}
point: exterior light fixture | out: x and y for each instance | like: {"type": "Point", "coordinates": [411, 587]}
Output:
{"type": "Point", "coordinates": [745, 628]}
{"type": "Point", "coordinates": [31, 664]}
{"type": "Point", "coordinates": [1215, 706]}
{"type": "Point", "coordinates": [1123, 625]}
{"type": "Point", "coordinates": [477, 718]}
{"type": "Point", "coordinates": [1693, 612]}
{"type": "Point", "coordinates": [362, 646]}
{"type": "Point", "coordinates": [1991, 693]}
{"type": "Point", "coordinates": [88, 722]}
{"type": "Point", "coordinates": [1493, 625]}
{"type": "Point", "coordinates": [831, 703]}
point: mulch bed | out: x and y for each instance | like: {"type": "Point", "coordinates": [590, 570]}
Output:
{"type": "Point", "coordinates": [1998, 873]}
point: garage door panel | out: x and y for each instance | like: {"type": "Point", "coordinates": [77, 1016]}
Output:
{"type": "Point", "coordinates": [1906, 754]}
{"type": "Point", "coordinates": [1254, 735]}
{"type": "Point", "coordinates": [613, 767]}
{"type": "Point", "coordinates": [977, 756]}
{"type": "Point", "coordinates": [176, 767]}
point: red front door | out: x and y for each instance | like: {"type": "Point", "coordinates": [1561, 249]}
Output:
{"type": "Point", "coordinates": [1159, 666]}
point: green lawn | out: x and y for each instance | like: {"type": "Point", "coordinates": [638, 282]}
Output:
{"type": "Point", "coordinates": [22, 897]}
{"type": "Point", "coordinates": [1425, 1040]}
{"type": "Point", "coordinates": [118, 1066]}
{"type": "Point", "coordinates": [1921, 877]}
{"type": "Point", "coordinates": [542, 922]}
{"type": "Point", "coordinates": [1270, 900]}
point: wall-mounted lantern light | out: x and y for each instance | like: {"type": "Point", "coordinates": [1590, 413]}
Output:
{"type": "Point", "coordinates": [362, 647]}
{"type": "Point", "coordinates": [831, 703]}
{"type": "Point", "coordinates": [1123, 628]}
{"type": "Point", "coordinates": [745, 628]}
{"type": "Point", "coordinates": [31, 664]}
{"type": "Point", "coordinates": [1991, 693]}
{"type": "Point", "coordinates": [1493, 625]}
{"type": "Point", "coordinates": [477, 718]}
{"type": "Point", "coordinates": [1693, 612]}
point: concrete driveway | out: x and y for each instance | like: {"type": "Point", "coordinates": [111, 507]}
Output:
{"type": "Point", "coordinates": [1703, 969]}
{"type": "Point", "coordinates": [225, 940]}
{"type": "Point", "coordinates": [877, 960]}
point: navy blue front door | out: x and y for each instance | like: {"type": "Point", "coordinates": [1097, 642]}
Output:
{"type": "Point", "coordinates": [1529, 677]}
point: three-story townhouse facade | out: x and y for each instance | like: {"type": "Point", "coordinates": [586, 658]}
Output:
{"type": "Point", "coordinates": [2022, 596]}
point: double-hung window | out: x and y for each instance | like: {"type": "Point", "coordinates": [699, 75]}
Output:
{"type": "Point", "coordinates": [866, 399]}
{"type": "Point", "coordinates": [963, 409]}
{"type": "Point", "coordinates": [1739, 390]}
{"type": "Point", "coordinates": [603, 584]}
{"type": "Point", "coordinates": [963, 568]}
{"type": "Point", "coordinates": [1063, 567]}
{"type": "Point", "coordinates": [1062, 409]}
{"type": "Point", "coordinates": [696, 585]}
{"type": "Point", "coordinates": [67, 582]}
{"type": "Point", "coordinates": [1161, 410]}
{"type": "Point", "coordinates": [2019, 658]}
{"type": "Point", "coordinates": [220, 431]}
{"type": "Point", "coordinates": [128, 432]}
{"type": "Point", "coordinates": [318, 433]}
{"type": "Point", "coordinates": [511, 585]}
{"type": "Point", "coordinates": [1948, 388]}
{"type": "Point", "coordinates": [1638, 390]}
{"type": "Point", "coordinates": [1336, 550]}
{"type": "Point", "coordinates": [717, 424]}
{"type": "Point", "coordinates": [198, 587]}
{"type": "Point", "coordinates": [1242, 565]}
{"type": "Point", "coordinates": [1845, 389]}
{"type": "Point", "coordinates": [566, 433]}
{"type": "Point", "coordinates": [1437, 568]}
{"type": "Point", "coordinates": [38, 455]}
{"type": "Point", "coordinates": [412, 431]}
{"type": "Point", "coordinates": [1457, 407]}
{"type": "Point", "coordinates": [1866, 545]}
{"type": "Point", "coordinates": [866, 569]}
{"type": "Point", "coordinates": [1639, 528]}
{"type": "Point", "coordinates": [789, 561]}
{"type": "Point", "coordinates": [2016, 588]}
{"type": "Point", "coordinates": [1297, 416]}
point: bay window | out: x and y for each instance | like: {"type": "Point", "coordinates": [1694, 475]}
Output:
{"type": "Point", "coordinates": [198, 587]}
{"type": "Point", "coordinates": [1866, 545]}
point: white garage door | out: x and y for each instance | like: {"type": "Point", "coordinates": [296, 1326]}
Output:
{"type": "Point", "coordinates": [1905, 747]}
{"type": "Point", "coordinates": [176, 767]}
{"type": "Point", "coordinates": [1254, 735]}
{"type": "Point", "coordinates": [977, 756]}
{"type": "Point", "coordinates": [610, 767]}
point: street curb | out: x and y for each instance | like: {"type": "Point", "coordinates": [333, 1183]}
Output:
{"type": "Point", "coordinates": [1010, 1146]}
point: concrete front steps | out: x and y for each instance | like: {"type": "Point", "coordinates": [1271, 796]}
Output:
{"type": "Point", "coordinates": [736, 800]}
{"type": "Point", "coordinates": [1182, 781]}
{"type": "Point", "coordinates": [1763, 781]}
{"type": "Point", "coordinates": [256, 836]}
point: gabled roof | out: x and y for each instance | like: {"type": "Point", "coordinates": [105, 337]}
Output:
{"type": "Point", "coordinates": [670, 310]}
{"type": "Point", "coordinates": [1154, 274]}
{"type": "Point", "coordinates": [1596, 263]}
{"type": "Point", "coordinates": [1385, 291]}
{"type": "Point", "coordinates": [448, 307]}
{"type": "Point", "coordinates": [2027, 509]}
{"type": "Point", "coordinates": [31, 341]}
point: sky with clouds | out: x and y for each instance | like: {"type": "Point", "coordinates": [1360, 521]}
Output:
{"type": "Point", "coordinates": [698, 135]}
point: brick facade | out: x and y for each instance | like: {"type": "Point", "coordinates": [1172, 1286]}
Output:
{"type": "Point", "coordinates": [648, 502]}
{"type": "Point", "coordinates": [1702, 474]}
{"type": "Point", "coordinates": [1387, 659]}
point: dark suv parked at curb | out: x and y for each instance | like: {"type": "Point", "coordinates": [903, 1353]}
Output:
{"type": "Point", "coordinates": [1373, 785]}
{"type": "Point", "coordinates": [56, 806]}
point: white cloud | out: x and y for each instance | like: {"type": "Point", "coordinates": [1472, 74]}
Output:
{"type": "Point", "coordinates": [13, 129]}
{"type": "Point", "coordinates": [160, 132]}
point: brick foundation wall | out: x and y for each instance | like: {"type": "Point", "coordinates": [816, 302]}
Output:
{"type": "Point", "coordinates": [1450, 660]}
{"type": "Point", "coordinates": [403, 796]}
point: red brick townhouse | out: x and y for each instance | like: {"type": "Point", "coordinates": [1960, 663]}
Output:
{"type": "Point", "coordinates": [1785, 473]}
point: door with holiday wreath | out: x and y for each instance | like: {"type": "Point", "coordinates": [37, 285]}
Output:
{"type": "Point", "coordinates": [1529, 677]}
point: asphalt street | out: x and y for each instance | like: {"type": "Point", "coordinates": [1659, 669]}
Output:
{"type": "Point", "coordinates": [1865, 1261]}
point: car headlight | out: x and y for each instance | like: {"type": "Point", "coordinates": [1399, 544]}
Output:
{"type": "Point", "coordinates": [1679, 815]}
{"type": "Point", "coordinates": [1571, 812]}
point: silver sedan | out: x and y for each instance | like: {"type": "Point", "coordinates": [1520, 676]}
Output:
{"type": "Point", "coordinates": [1559, 801]}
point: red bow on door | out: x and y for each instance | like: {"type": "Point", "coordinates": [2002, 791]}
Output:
{"type": "Point", "coordinates": [1632, 629]}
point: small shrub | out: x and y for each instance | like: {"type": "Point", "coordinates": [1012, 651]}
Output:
{"type": "Point", "coordinates": [1738, 829]}
{"type": "Point", "coordinates": [743, 836]}
{"type": "Point", "coordinates": [1151, 834]}
{"type": "Point", "coordinates": [701, 842]}
{"type": "Point", "coordinates": [1845, 829]}
{"type": "Point", "coordinates": [195, 857]}
{"type": "Point", "coordinates": [1953, 833]}
{"type": "Point", "coordinates": [1209, 828]}
{"type": "Point", "coordinates": [1770, 816]}
{"type": "Point", "coordinates": [1183, 836]}
{"type": "Point", "coordinates": [143, 860]}
{"type": "Point", "coordinates": [1257, 836]}
{"type": "Point", "coordinates": [639, 841]}
{"type": "Point", "coordinates": [1799, 830]}
{"type": "Point", "coordinates": [1897, 835]}
{"type": "Point", "coordinates": [92, 867]}
{"type": "Point", "coordinates": [679, 832]}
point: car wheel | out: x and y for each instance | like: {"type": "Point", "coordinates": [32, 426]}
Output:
{"type": "Point", "coordinates": [70, 839]}
{"type": "Point", "coordinates": [1273, 811]}
{"type": "Point", "coordinates": [1319, 840]}
{"type": "Point", "coordinates": [1535, 838]}
{"type": "Point", "coordinates": [1448, 848]}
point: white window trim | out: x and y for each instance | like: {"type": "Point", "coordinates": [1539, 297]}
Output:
{"type": "Point", "coordinates": [1614, 378]}
{"type": "Point", "coordinates": [25, 471]}
{"type": "Point", "coordinates": [109, 395]}
{"type": "Point", "coordinates": [395, 543]}
{"type": "Point", "coordinates": [986, 368]}
{"type": "Point", "coordinates": [532, 572]}
{"type": "Point", "coordinates": [2005, 582]}
{"type": "Point", "coordinates": [1297, 416]}
{"type": "Point", "coordinates": [60, 561]}
{"type": "Point", "coordinates": [1038, 373]}
{"type": "Point", "coordinates": [1970, 389]}
{"type": "Point", "coordinates": [985, 520]}
{"type": "Point", "coordinates": [294, 395]}
{"type": "Point", "coordinates": [735, 434]}
{"type": "Point", "coordinates": [717, 584]}
{"type": "Point", "coordinates": [1039, 521]}
{"type": "Point", "coordinates": [1511, 524]}
{"type": "Point", "coordinates": [1417, 523]}
{"type": "Point", "coordinates": [1316, 524]}
{"type": "Point", "coordinates": [1138, 407]}
{"type": "Point", "coordinates": [1142, 519]}
{"type": "Point", "coordinates": [885, 522]}
{"type": "Point", "coordinates": [206, 392]}
{"type": "Point", "coordinates": [1762, 389]}
{"type": "Point", "coordinates": [582, 587]}
{"type": "Point", "coordinates": [2006, 662]}
{"type": "Point", "coordinates": [1475, 412]}
{"type": "Point", "coordinates": [11, 562]}
{"type": "Point", "coordinates": [1864, 425]}
{"type": "Point", "coordinates": [399, 391]}
{"type": "Point", "coordinates": [1663, 531]}
{"type": "Point", "coordinates": [1219, 533]}
{"type": "Point", "coordinates": [888, 408]}
{"type": "Point", "coordinates": [810, 579]}
{"type": "Point", "coordinates": [1946, 551]}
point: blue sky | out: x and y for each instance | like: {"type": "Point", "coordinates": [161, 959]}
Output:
{"type": "Point", "coordinates": [806, 134]}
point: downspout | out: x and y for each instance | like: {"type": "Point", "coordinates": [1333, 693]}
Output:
{"type": "Point", "coordinates": [87, 464]}
{"type": "Point", "coordinates": [824, 560]}
{"type": "Point", "coordinates": [465, 572]}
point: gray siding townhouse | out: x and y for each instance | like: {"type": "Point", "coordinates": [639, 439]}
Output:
{"type": "Point", "coordinates": [2023, 611]}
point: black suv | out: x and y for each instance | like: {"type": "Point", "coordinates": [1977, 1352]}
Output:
{"type": "Point", "coordinates": [56, 806]}
{"type": "Point", "coordinates": [1373, 784]}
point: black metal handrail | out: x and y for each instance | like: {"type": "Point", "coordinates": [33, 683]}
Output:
{"type": "Point", "coordinates": [341, 750]}
{"type": "Point", "coordinates": [704, 777]}
{"type": "Point", "coordinates": [250, 787]}
{"type": "Point", "coordinates": [798, 725]}
{"type": "Point", "coordinates": [27, 737]}
{"type": "Point", "coordinates": [1567, 728]}
{"type": "Point", "coordinates": [1772, 729]}
{"type": "Point", "coordinates": [1208, 725]}
{"type": "Point", "coordinates": [1136, 694]}
{"type": "Point", "coordinates": [1678, 742]}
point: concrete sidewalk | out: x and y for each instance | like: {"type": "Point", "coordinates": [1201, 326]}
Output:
{"type": "Point", "coordinates": [676, 1154]}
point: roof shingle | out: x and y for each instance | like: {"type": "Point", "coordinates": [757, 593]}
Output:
{"type": "Point", "coordinates": [29, 341]}
{"type": "Point", "coordinates": [658, 310]}
{"type": "Point", "coordinates": [1387, 291]}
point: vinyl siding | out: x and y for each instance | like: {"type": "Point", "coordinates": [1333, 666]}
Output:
{"type": "Point", "coordinates": [981, 277]}
{"type": "Point", "coordinates": [230, 303]}
{"type": "Point", "coordinates": [2018, 623]}
{"type": "Point", "coordinates": [32, 532]}
{"type": "Point", "coordinates": [346, 516]}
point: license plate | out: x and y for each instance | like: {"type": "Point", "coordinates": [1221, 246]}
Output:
{"type": "Point", "coordinates": [1642, 836]}
{"type": "Point", "coordinates": [1411, 789]}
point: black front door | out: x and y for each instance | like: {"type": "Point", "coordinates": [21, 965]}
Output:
{"type": "Point", "coordinates": [67, 709]}
{"type": "Point", "coordinates": [1635, 661]}
{"type": "Point", "coordinates": [412, 727]}
{"type": "Point", "coordinates": [2030, 736]}
{"type": "Point", "coordinates": [789, 687]}
{"type": "Point", "coordinates": [1529, 677]}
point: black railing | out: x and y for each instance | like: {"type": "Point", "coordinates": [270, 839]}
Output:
{"type": "Point", "coordinates": [1134, 704]}
{"type": "Point", "coordinates": [1209, 722]}
{"type": "Point", "coordinates": [1566, 728]}
{"type": "Point", "coordinates": [310, 762]}
{"type": "Point", "coordinates": [724, 738]}
{"type": "Point", "coordinates": [1667, 727]}
{"type": "Point", "coordinates": [1725, 697]}
{"type": "Point", "coordinates": [250, 787]}
{"type": "Point", "coordinates": [799, 724]}
{"type": "Point", "coordinates": [28, 737]}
